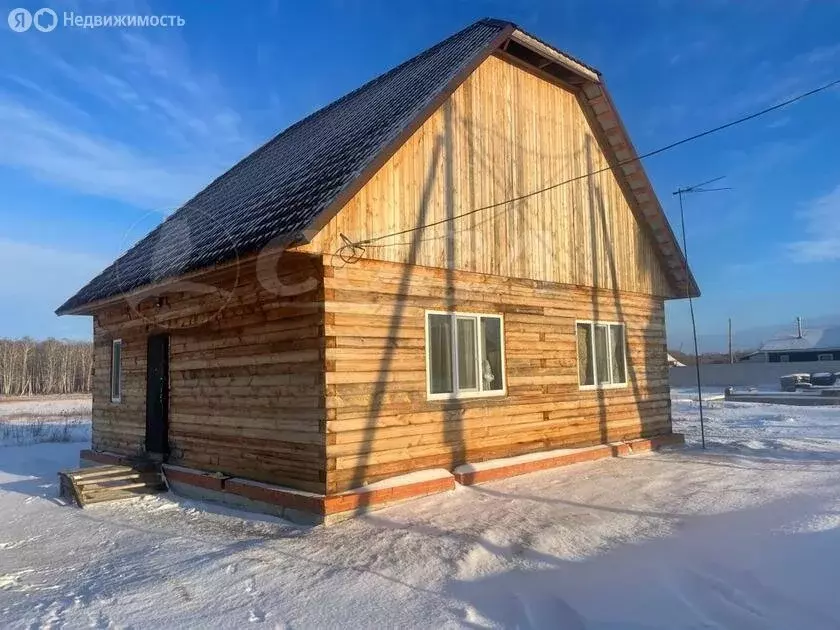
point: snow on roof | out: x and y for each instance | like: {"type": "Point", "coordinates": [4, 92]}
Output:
{"type": "Point", "coordinates": [812, 339]}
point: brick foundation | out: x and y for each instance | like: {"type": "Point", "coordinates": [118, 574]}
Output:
{"type": "Point", "coordinates": [514, 466]}
{"type": "Point", "coordinates": [276, 495]}
{"type": "Point", "coordinates": [363, 499]}
{"type": "Point", "coordinates": [310, 508]}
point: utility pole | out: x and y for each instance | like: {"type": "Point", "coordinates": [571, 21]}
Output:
{"type": "Point", "coordinates": [731, 358]}
{"type": "Point", "coordinates": [697, 188]}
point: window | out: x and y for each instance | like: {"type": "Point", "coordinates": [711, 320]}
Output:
{"type": "Point", "coordinates": [602, 360]}
{"type": "Point", "coordinates": [116, 370]}
{"type": "Point", "coordinates": [825, 357]}
{"type": "Point", "coordinates": [784, 358]}
{"type": "Point", "coordinates": [464, 355]}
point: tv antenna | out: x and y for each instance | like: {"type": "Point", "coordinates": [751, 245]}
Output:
{"type": "Point", "coordinates": [680, 192]}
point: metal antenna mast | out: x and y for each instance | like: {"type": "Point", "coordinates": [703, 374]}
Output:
{"type": "Point", "coordinates": [697, 188]}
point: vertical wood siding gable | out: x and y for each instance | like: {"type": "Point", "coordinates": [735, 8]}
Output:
{"type": "Point", "coordinates": [503, 133]}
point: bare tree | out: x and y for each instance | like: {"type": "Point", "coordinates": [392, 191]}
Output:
{"type": "Point", "coordinates": [51, 366]}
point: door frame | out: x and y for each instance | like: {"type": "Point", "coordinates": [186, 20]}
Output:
{"type": "Point", "coordinates": [157, 429]}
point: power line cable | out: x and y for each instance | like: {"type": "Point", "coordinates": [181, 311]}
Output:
{"type": "Point", "coordinates": [358, 246]}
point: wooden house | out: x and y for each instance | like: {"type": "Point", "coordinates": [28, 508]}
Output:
{"type": "Point", "coordinates": [460, 261]}
{"type": "Point", "coordinates": [815, 344]}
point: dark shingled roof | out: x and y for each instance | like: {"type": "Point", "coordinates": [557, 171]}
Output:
{"type": "Point", "coordinates": [281, 188]}
{"type": "Point", "coordinates": [285, 186]}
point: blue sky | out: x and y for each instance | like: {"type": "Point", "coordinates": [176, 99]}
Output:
{"type": "Point", "coordinates": [104, 131]}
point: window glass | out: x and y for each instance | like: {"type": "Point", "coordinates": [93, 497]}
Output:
{"type": "Point", "coordinates": [602, 360]}
{"type": "Point", "coordinates": [601, 352]}
{"type": "Point", "coordinates": [618, 349]}
{"type": "Point", "coordinates": [116, 369]}
{"type": "Point", "coordinates": [465, 354]}
{"type": "Point", "coordinates": [585, 363]}
{"type": "Point", "coordinates": [491, 352]}
{"type": "Point", "coordinates": [440, 354]}
{"type": "Point", "coordinates": [467, 357]}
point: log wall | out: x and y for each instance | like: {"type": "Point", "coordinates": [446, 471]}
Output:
{"type": "Point", "coordinates": [246, 372]}
{"type": "Point", "coordinates": [379, 421]}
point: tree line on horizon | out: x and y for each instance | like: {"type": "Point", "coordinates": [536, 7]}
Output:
{"type": "Point", "coordinates": [52, 366]}
{"type": "Point", "coordinates": [708, 357]}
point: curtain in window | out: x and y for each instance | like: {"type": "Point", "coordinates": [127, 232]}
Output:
{"type": "Point", "coordinates": [584, 343]}
{"type": "Point", "coordinates": [440, 354]}
{"type": "Point", "coordinates": [491, 352]}
{"type": "Point", "coordinates": [618, 349]}
{"type": "Point", "coordinates": [467, 360]}
{"type": "Point", "coordinates": [602, 361]}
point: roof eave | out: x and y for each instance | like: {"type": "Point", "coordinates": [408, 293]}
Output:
{"type": "Point", "coordinates": [629, 167]}
{"type": "Point", "coordinates": [276, 247]}
{"type": "Point", "coordinates": [557, 56]}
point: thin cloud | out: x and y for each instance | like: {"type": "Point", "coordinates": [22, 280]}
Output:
{"type": "Point", "coordinates": [778, 123]}
{"type": "Point", "coordinates": [749, 87]}
{"type": "Point", "coordinates": [162, 129]}
{"type": "Point", "coordinates": [41, 271]}
{"type": "Point", "coordinates": [70, 158]}
{"type": "Point", "coordinates": [37, 281]}
{"type": "Point", "coordinates": [70, 110]}
{"type": "Point", "coordinates": [771, 83]}
{"type": "Point", "coordinates": [821, 224]}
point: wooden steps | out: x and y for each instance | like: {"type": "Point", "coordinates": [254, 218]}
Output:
{"type": "Point", "coordinates": [97, 484]}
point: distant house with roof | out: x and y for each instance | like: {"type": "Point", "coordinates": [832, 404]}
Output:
{"type": "Point", "coordinates": [817, 344]}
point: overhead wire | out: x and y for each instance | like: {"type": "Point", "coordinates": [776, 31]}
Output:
{"type": "Point", "coordinates": [357, 248]}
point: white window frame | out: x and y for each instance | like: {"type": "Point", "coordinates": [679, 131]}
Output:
{"type": "Point", "coordinates": [118, 381]}
{"type": "Point", "coordinates": [457, 393]}
{"type": "Point", "coordinates": [597, 385]}
{"type": "Point", "coordinates": [828, 356]}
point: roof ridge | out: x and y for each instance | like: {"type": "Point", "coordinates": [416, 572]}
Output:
{"type": "Point", "coordinates": [491, 21]}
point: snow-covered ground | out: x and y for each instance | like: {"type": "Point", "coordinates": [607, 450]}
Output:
{"type": "Point", "coordinates": [769, 431]}
{"type": "Point", "coordinates": [46, 406]}
{"type": "Point", "coordinates": [743, 535]}
{"type": "Point", "coordinates": [44, 419]}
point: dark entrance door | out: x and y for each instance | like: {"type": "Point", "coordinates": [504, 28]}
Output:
{"type": "Point", "coordinates": [157, 395]}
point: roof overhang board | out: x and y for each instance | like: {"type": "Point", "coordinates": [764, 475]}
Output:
{"type": "Point", "coordinates": [555, 56]}
{"type": "Point", "coordinates": [598, 100]}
